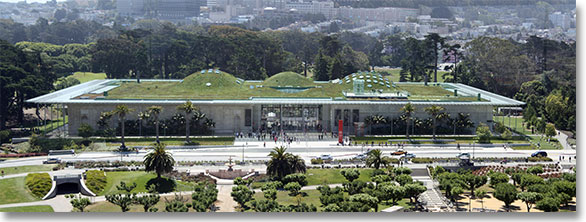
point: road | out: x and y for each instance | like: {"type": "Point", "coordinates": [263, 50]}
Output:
{"type": "Point", "coordinates": [309, 150]}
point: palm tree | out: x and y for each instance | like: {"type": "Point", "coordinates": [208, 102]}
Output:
{"type": "Point", "coordinates": [408, 109]}
{"type": "Point", "coordinates": [282, 163]}
{"type": "Point", "coordinates": [122, 110]}
{"type": "Point", "coordinates": [375, 158]}
{"type": "Point", "coordinates": [188, 108]}
{"type": "Point", "coordinates": [436, 112]}
{"type": "Point", "coordinates": [141, 117]}
{"type": "Point", "coordinates": [155, 111]}
{"type": "Point", "coordinates": [159, 160]}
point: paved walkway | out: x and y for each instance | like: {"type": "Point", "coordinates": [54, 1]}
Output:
{"type": "Point", "coordinates": [58, 203]}
{"type": "Point", "coordinates": [563, 139]}
{"type": "Point", "coordinates": [225, 202]}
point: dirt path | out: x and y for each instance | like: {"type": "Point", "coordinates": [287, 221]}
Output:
{"type": "Point", "coordinates": [225, 203]}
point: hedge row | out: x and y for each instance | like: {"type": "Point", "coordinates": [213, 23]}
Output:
{"type": "Point", "coordinates": [95, 180]}
{"type": "Point", "coordinates": [39, 183]}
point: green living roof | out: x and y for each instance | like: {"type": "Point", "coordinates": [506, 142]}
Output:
{"type": "Point", "coordinates": [217, 85]}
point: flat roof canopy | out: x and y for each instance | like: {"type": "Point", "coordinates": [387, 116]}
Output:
{"type": "Point", "coordinates": [73, 95]}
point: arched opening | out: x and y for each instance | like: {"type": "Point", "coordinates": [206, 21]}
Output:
{"type": "Point", "coordinates": [67, 188]}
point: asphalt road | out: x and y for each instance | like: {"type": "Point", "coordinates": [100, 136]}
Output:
{"type": "Point", "coordinates": [306, 150]}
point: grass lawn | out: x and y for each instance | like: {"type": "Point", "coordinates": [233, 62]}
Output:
{"type": "Point", "coordinates": [87, 76]}
{"type": "Point", "coordinates": [333, 176]}
{"type": "Point", "coordinates": [105, 206]}
{"type": "Point", "coordinates": [37, 208]}
{"type": "Point", "coordinates": [13, 190]}
{"type": "Point", "coordinates": [141, 179]}
{"type": "Point", "coordinates": [226, 86]}
{"type": "Point", "coordinates": [516, 124]}
{"type": "Point", "coordinates": [513, 122]}
{"type": "Point", "coordinates": [50, 127]}
{"type": "Point", "coordinates": [26, 169]}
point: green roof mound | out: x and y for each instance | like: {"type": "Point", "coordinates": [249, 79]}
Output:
{"type": "Point", "coordinates": [215, 80]}
{"type": "Point", "coordinates": [288, 79]}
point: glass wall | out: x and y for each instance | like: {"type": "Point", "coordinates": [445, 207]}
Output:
{"type": "Point", "coordinates": [291, 117]}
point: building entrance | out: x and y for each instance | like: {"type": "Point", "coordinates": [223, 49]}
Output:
{"type": "Point", "coordinates": [296, 118]}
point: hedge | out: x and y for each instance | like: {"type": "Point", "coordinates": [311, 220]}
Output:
{"type": "Point", "coordinates": [39, 183]}
{"type": "Point", "coordinates": [95, 180]}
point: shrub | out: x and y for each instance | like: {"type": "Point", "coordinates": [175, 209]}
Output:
{"type": "Point", "coordinates": [317, 161]}
{"type": "Point", "coordinates": [499, 127]}
{"type": "Point", "coordinates": [421, 160]}
{"type": "Point", "coordinates": [95, 180]}
{"type": "Point", "coordinates": [85, 131]}
{"type": "Point", "coordinates": [43, 144]}
{"type": "Point", "coordinates": [539, 159]}
{"type": "Point", "coordinates": [39, 183]}
{"type": "Point", "coordinates": [5, 136]}
{"type": "Point", "coordinates": [293, 188]}
{"type": "Point", "coordinates": [483, 133]}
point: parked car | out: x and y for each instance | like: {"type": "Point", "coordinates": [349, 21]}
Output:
{"type": "Point", "coordinates": [361, 156]}
{"type": "Point", "coordinates": [52, 161]}
{"type": "Point", "coordinates": [399, 152]}
{"type": "Point", "coordinates": [463, 155]}
{"type": "Point", "coordinates": [326, 157]}
{"type": "Point", "coordinates": [539, 154]}
{"type": "Point", "coordinates": [409, 155]}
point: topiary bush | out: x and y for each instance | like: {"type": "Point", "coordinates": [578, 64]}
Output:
{"type": "Point", "coordinates": [39, 183]}
{"type": "Point", "coordinates": [95, 180]}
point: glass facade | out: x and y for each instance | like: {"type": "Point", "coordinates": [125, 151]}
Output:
{"type": "Point", "coordinates": [291, 117]}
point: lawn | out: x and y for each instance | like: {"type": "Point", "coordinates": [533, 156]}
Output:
{"type": "Point", "coordinates": [87, 76]}
{"type": "Point", "coordinates": [50, 127]}
{"type": "Point", "coordinates": [27, 169]}
{"type": "Point", "coordinates": [37, 208]}
{"type": "Point", "coordinates": [515, 123]}
{"type": "Point", "coordinates": [141, 179]}
{"type": "Point", "coordinates": [13, 190]}
{"type": "Point", "coordinates": [105, 206]}
{"type": "Point", "coordinates": [333, 176]}
{"type": "Point", "coordinates": [225, 86]}
{"type": "Point", "coordinates": [537, 141]}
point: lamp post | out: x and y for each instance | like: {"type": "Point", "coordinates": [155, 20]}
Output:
{"type": "Point", "coordinates": [473, 150]}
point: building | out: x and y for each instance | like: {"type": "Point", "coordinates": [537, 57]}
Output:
{"type": "Point", "coordinates": [313, 7]}
{"type": "Point", "coordinates": [561, 20]}
{"type": "Point", "coordinates": [163, 9]}
{"type": "Point", "coordinates": [376, 14]}
{"type": "Point", "coordinates": [286, 101]}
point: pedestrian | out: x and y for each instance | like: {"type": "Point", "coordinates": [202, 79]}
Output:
{"type": "Point", "coordinates": [570, 159]}
{"type": "Point", "coordinates": [2, 173]}
{"type": "Point", "coordinates": [264, 144]}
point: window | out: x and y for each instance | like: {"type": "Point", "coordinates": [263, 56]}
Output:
{"type": "Point", "coordinates": [346, 117]}
{"type": "Point", "coordinates": [356, 115]}
{"type": "Point", "coordinates": [338, 116]}
{"type": "Point", "coordinates": [248, 117]}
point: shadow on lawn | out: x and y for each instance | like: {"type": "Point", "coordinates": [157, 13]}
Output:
{"type": "Point", "coordinates": [162, 185]}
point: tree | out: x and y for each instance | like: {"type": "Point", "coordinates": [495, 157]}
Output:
{"type": "Point", "coordinates": [548, 204]}
{"type": "Point", "coordinates": [85, 131]}
{"type": "Point", "coordinates": [375, 159]}
{"type": "Point", "coordinates": [567, 188]}
{"type": "Point", "coordinates": [498, 178]}
{"type": "Point", "coordinates": [296, 177]}
{"type": "Point", "coordinates": [530, 198]}
{"type": "Point", "coordinates": [366, 200]}
{"type": "Point", "coordinates": [148, 201]}
{"type": "Point", "coordinates": [241, 195]}
{"type": "Point", "coordinates": [436, 112]}
{"type": "Point", "coordinates": [350, 174]}
{"type": "Point", "coordinates": [155, 111]}
{"type": "Point", "coordinates": [159, 160]}
{"type": "Point", "coordinates": [413, 190]}
{"type": "Point", "coordinates": [473, 181]}
{"type": "Point", "coordinates": [507, 193]}
{"type": "Point", "coordinates": [435, 43]}
{"type": "Point", "coordinates": [121, 111]}
{"type": "Point", "coordinates": [403, 179]}
{"type": "Point", "coordinates": [204, 196]}
{"type": "Point", "coordinates": [125, 199]}
{"type": "Point", "coordinates": [330, 196]}
{"type": "Point", "coordinates": [293, 188]}
{"type": "Point", "coordinates": [177, 204]}
{"type": "Point", "coordinates": [322, 67]}
{"type": "Point", "coordinates": [535, 170]}
{"type": "Point", "coordinates": [408, 110]}
{"type": "Point", "coordinates": [480, 194]}
{"type": "Point", "coordinates": [80, 203]}
{"type": "Point", "coordinates": [401, 171]}
{"type": "Point", "coordinates": [283, 163]}
{"type": "Point", "coordinates": [483, 133]}
{"type": "Point", "coordinates": [188, 108]}
{"type": "Point", "coordinates": [550, 130]}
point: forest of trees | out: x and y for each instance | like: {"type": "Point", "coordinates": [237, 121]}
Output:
{"type": "Point", "coordinates": [438, 3]}
{"type": "Point", "coordinates": [540, 72]}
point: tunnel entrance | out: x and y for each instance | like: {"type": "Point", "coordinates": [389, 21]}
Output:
{"type": "Point", "coordinates": [67, 188]}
